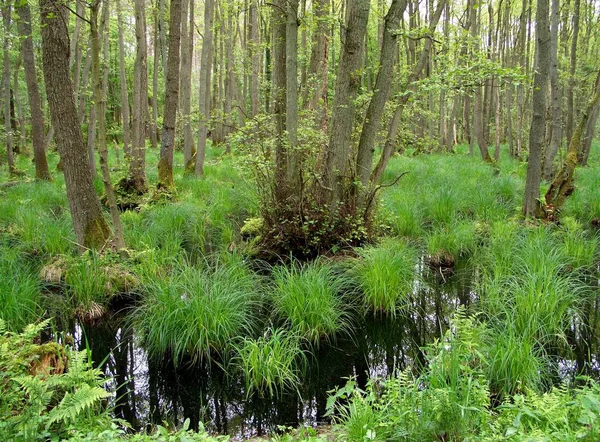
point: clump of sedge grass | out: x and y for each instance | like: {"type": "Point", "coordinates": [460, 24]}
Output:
{"type": "Point", "coordinates": [310, 297]}
{"type": "Point", "coordinates": [198, 311]}
{"type": "Point", "coordinates": [272, 363]}
{"type": "Point", "coordinates": [386, 275]}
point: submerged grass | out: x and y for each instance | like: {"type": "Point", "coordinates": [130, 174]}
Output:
{"type": "Point", "coordinates": [272, 364]}
{"type": "Point", "coordinates": [198, 311]}
{"type": "Point", "coordinates": [311, 298]}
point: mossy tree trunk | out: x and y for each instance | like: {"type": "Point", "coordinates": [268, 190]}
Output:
{"type": "Point", "coordinates": [338, 175]}
{"type": "Point", "coordinates": [562, 185]}
{"type": "Point", "coordinates": [91, 229]}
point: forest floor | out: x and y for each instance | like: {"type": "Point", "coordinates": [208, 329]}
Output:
{"type": "Point", "coordinates": [466, 319]}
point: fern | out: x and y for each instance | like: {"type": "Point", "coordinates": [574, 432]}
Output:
{"type": "Point", "coordinates": [73, 404]}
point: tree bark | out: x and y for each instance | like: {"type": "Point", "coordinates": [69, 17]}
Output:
{"type": "Point", "coordinates": [562, 185]}
{"type": "Point", "coordinates": [555, 96]}
{"type": "Point", "coordinates": [165, 163]}
{"type": "Point", "coordinates": [6, 18]}
{"type": "Point", "coordinates": [291, 111]}
{"type": "Point", "coordinates": [572, 70]}
{"type": "Point", "coordinates": [531, 205]}
{"type": "Point", "coordinates": [123, 81]}
{"type": "Point", "coordinates": [42, 171]}
{"type": "Point", "coordinates": [338, 170]}
{"type": "Point", "coordinates": [383, 86]}
{"type": "Point", "coordinates": [89, 224]}
{"type": "Point", "coordinates": [254, 49]}
{"type": "Point", "coordinates": [137, 165]}
{"type": "Point", "coordinates": [100, 98]}
{"type": "Point", "coordinates": [205, 87]}
{"type": "Point", "coordinates": [392, 133]}
{"type": "Point", "coordinates": [187, 53]}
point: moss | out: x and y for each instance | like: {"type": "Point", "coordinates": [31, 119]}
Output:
{"type": "Point", "coordinates": [96, 234]}
{"type": "Point", "coordinates": [165, 175]}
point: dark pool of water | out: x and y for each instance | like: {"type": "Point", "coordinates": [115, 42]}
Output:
{"type": "Point", "coordinates": [156, 391]}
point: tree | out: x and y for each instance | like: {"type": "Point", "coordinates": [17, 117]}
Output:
{"type": "Point", "coordinates": [33, 93]}
{"type": "Point", "coordinates": [6, 18]}
{"type": "Point", "coordinates": [205, 87]}
{"type": "Point", "coordinates": [165, 163]}
{"type": "Point", "coordinates": [91, 229]}
{"type": "Point", "coordinates": [531, 204]}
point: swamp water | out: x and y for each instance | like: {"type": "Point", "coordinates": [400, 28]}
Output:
{"type": "Point", "coordinates": [149, 391]}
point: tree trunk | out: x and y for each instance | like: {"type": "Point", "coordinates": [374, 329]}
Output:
{"type": "Point", "coordinates": [392, 134]}
{"type": "Point", "coordinates": [123, 81]}
{"type": "Point", "coordinates": [383, 86]}
{"type": "Point", "coordinates": [254, 49]}
{"type": "Point", "coordinates": [338, 171]}
{"type": "Point", "coordinates": [89, 224]}
{"type": "Point", "coordinates": [562, 186]}
{"type": "Point", "coordinates": [291, 110]}
{"type": "Point", "coordinates": [572, 69]}
{"type": "Point", "coordinates": [205, 90]}
{"type": "Point", "coordinates": [100, 97]}
{"type": "Point", "coordinates": [33, 93]}
{"type": "Point", "coordinates": [555, 96]}
{"type": "Point", "coordinates": [315, 91]}
{"type": "Point", "coordinates": [6, 18]}
{"type": "Point", "coordinates": [165, 163]}
{"type": "Point", "coordinates": [531, 205]}
{"type": "Point", "coordinates": [278, 92]}
{"type": "Point", "coordinates": [137, 165]}
{"type": "Point", "coordinates": [187, 54]}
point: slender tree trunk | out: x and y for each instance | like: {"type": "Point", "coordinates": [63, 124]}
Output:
{"type": "Point", "coordinates": [165, 163]}
{"type": "Point", "coordinates": [555, 96]}
{"type": "Point", "coordinates": [572, 70]}
{"type": "Point", "coordinates": [6, 18]}
{"type": "Point", "coordinates": [187, 50]}
{"type": "Point", "coordinates": [383, 86]}
{"type": "Point", "coordinates": [589, 136]}
{"type": "Point", "coordinates": [315, 91]}
{"type": "Point", "coordinates": [291, 111]}
{"type": "Point", "coordinates": [531, 205]}
{"type": "Point", "coordinates": [33, 93]}
{"type": "Point", "coordinates": [254, 47]}
{"type": "Point", "coordinates": [100, 97]}
{"type": "Point", "coordinates": [338, 171]}
{"type": "Point", "coordinates": [155, 69]}
{"type": "Point", "coordinates": [136, 182]}
{"type": "Point", "coordinates": [123, 81]}
{"type": "Point", "coordinates": [205, 86]}
{"type": "Point", "coordinates": [278, 92]}
{"type": "Point", "coordinates": [418, 67]}
{"type": "Point", "coordinates": [89, 224]}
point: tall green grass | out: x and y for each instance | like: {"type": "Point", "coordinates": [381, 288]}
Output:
{"type": "Point", "coordinates": [311, 297]}
{"type": "Point", "coordinates": [386, 275]}
{"type": "Point", "coordinates": [198, 311]}
{"type": "Point", "coordinates": [20, 290]}
{"type": "Point", "coordinates": [272, 364]}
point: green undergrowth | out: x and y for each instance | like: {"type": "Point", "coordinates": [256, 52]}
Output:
{"type": "Point", "coordinates": [450, 400]}
{"type": "Point", "coordinates": [386, 275]}
{"type": "Point", "coordinates": [198, 311]}
{"type": "Point", "coordinates": [313, 299]}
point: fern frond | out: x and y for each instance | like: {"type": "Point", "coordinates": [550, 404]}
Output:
{"type": "Point", "coordinates": [74, 403]}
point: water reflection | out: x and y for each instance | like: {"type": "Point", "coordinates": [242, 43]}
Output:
{"type": "Point", "coordinates": [149, 391]}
